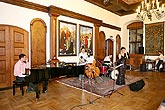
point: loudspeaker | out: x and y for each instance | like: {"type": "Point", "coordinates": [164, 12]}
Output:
{"type": "Point", "coordinates": [141, 50]}
{"type": "Point", "coordinates": [137, 85]}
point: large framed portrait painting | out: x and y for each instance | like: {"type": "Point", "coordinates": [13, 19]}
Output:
{"type": "Point", "coordinates": [86, 38]}
{"type": "Point", "coordinates": [67, 39]}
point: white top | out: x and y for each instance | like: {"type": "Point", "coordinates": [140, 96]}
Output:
{"type": "Point", "coordinates": [161, 57]}
{"type": "Point", "coordinates": [107, 58]}
{"type": "Point", "coordinates": [82, 58]}
{"type": "Point", "coordinates": [90, 59]}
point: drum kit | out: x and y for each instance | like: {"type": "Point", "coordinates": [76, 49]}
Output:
{"type": "Point", "coordinates": [110, 70]}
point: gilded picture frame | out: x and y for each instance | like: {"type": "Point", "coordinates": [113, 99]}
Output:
{"type": "Point", "coordinates": [86, 38]}
{"type": "Point", "coordinates": [67, 38]}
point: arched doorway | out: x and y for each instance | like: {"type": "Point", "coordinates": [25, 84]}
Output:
{"type": "Point", "coordinates": [38, 42]}
{"type": "Point", "coordinates": [101, 46]}
{"type": "Point", "coordinates": [118, 45]}
{"type": "Point", "coordinates": [109, 47]}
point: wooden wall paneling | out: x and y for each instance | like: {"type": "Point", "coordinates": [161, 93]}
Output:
{"type": "Point", "coordinates": [38, 42]}
{"type": "Point", "coordinates": [13, 41]}
{"type": "Point", "coordinates": [96, 40]}
{"type": "Point", "coordinates": [135, 25]}
{"type": "Point", "coordinates": [4, 56]}
{"type": "Point", "coordinates": [19, 43]}
{"type": "Point", "coordinates": [53, 35]}
{"type": "Point", "coordinates": [27, 4]}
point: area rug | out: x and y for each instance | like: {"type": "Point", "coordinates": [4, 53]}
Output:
{"type": "Point", "coordinates": [101, 86]}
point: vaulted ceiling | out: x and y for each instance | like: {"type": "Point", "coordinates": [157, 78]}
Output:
{"type": "Point", "coordinates": [119, 7]}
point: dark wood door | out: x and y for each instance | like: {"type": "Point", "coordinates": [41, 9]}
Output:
{"type": "Point", "coordinates": [109, 47]}
{"type": "Point", "coordinates": [13, 41]}
{"type": "Point", "coordinates": [101, 46]}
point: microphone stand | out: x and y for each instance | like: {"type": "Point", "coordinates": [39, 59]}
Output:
{"type": "Point", "coordinates": [91, 100]}
{"type": "Point", "coordinates": [114, 82]}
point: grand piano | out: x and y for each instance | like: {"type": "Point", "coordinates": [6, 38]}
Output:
{"type": "Point", "coordinates": [43, 74]}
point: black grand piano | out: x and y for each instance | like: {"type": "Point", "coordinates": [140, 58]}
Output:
{"type": "Point", "coordinates": [43, 74]}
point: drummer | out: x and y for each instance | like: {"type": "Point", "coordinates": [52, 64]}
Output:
{"type": "Point", "coordinates": [107, 60]}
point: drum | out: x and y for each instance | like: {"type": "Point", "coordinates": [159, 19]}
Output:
{"type": "Point", "coordinates": [104, 69]}
{"type": "Point", "coordinates": [114, 74]}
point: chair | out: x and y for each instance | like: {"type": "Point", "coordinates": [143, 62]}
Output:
{"type": "Point", "coordinates": [20, 84]}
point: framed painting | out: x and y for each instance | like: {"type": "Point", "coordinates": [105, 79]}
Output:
{"type": "Point", "coordinates": [86, 38]}
{"type": "Point", "coordinates": [67, 38]}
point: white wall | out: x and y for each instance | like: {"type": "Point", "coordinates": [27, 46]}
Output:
{"type": "Point", "coordinates": [21, 17]}
{"type": "Point", "coordinates": [125, 20]}
{"type": "Point", "coordinates": [83, 7]}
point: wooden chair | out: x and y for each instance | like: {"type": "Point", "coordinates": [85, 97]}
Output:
{"type": "Point", "coordinates": [20, 84]}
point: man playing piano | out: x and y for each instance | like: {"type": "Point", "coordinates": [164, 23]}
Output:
{"type": "Point", "coordinates": [20, 69]}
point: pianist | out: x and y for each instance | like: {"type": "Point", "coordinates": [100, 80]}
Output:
{"type": "Point", "coordinates": [20, 71]}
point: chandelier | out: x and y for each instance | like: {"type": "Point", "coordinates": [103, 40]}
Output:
{"type": "Point", "coordinates": [149, 8]}
{"type": "Point", "coordinates": [105, 2]}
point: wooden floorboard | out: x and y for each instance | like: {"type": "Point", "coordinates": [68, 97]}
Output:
{"type": "Point", "coordinates": [62, 97]}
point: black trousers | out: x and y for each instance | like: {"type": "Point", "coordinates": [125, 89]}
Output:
{"type": "Point", "coordinates": [20, 79]}
{"type": "Point", "coordinates": [158, 64]}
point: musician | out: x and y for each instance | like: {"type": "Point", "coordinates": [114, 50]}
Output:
{"type": "Point", "coordinates": [107, 60]}
{"type": "Point", "coordinates": [159, 60]}
{"type": "Point", "coordinates": [92, 71]}
{"type": "Point", "coordinates": [89, 58]}
{"type": "Point", "coordinates": [19, 70]}
{"type": "Point", "coordinates": [83, 57]}
{"type": "Point", "coordinates": [122, 69]}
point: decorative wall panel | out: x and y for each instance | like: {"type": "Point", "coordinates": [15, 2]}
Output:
{"type": "Point", "coordinates": [2, 36]}
{"type": "Point", "coordinates": [154, 40]}
{"type": "Point", "coordinates": [19, 37]}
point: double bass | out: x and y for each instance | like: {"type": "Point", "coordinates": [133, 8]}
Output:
{"type": "Point", "coordinates": [92, 71]}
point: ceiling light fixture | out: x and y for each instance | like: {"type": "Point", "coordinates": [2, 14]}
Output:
{"type": "Point", "coordinates": [149, 9]}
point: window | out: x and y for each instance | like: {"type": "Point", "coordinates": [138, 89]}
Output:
{"type": "Point", "coordinates": [135, 40]}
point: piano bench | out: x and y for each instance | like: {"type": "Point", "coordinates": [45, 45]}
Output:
{"type": "Point", "coordinates": [20, 84]}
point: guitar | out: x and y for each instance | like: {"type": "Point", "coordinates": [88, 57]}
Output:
{"type": "Point", "coordinates": [92, 71]}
